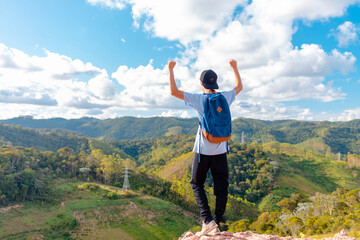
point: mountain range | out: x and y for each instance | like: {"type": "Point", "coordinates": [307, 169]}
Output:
{"type": "Point", "coordinates": [322, 137]}
{"type": "Point", "coordinates": [274, 167]}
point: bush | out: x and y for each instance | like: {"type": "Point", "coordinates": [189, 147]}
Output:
{"type": "Point", "coordinates": [264, 228]}
{"type": "Point", "coordinates": [240, 226]}
{"type": "Point", "coordinates": [112, 195]}
{"type": "Point", "coordinates": [89, 186]}
{"type": "Point", "coordinates": [324, 224]}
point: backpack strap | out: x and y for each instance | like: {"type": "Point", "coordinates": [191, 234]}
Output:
{"type": "Point", "coordinates": [199, 141]}
{"type": "Point", "coordinates": [205, 96]}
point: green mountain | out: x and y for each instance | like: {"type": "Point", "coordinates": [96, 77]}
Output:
{"type": "Point", "coordinates": [44, 140]}
{"type": "Point", "coordinates": [170, 157]}
{"type": "Point", "coordinates": [119, 128]}
{"type": "Point", "coordinates": [321, 137]}
{"type": "Point", "coordinates": [261, 175]}
{"type": "Point", "coordinates": [40, 139]}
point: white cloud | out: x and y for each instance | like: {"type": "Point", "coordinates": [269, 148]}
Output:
{"type": "Point", "coordinates": [284, 11]}
{"type": "Point", "coordinates": [119, 4]}
{"type": "Point", "coordinates": [272, 68]}
{"type": "Point", "coordinates": [348, 115]}
{"type": "Point", "coordinates": [180, 113]}
{"type": "Point", "coordinates": [268, 110]}
{"type": "Point", "coordinates": [306, 114]}
{"type": "Point", "coordinates": [101, 86]}
{"type": "Point", "coordinates": [185, 20]}
{"type": "Point", "coordinates": [11, 110]}
{"type": "Point", "coordinates": [66, 94]}
{"type": "Point", "coordinates": [259, 38]}
{"type": "Point", "coordinates": [189, 20]}
{"type": "Point", "coordinates": [146, 87]}
{"type": "Point", "coordinates": [21, 96]}
{"type": "Point", "coordinates": [53, 80]}
{"type": "Point", "coordinates": [346, 34]}
{"type": "Point", "coordinates": [162, 48]}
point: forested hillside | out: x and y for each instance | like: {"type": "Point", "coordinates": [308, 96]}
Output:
{"type": "Point", "coordinates": [323, 137]}
{"type": "Point", "coordinates": [83, 210]}
{"type": "Point", "coordinates": [39, 139]}
{"type": "Point", "coordinates": [119, 128]}
{"type": "Point", "coordinates": [269, 182]}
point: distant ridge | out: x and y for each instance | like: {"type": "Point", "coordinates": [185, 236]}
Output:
{"type": "Point", "coordinates": [118, 128]}
{"type": "Point", "coordinates": [320, 136]}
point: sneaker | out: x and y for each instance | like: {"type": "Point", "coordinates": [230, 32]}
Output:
{"type": "Point", "coordinates": [221, 224]}
{"type": "Point", "coordinates": [209, 229]}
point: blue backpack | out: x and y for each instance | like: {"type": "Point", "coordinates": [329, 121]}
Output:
{"type": "Point", "coordinates": [216, 120]}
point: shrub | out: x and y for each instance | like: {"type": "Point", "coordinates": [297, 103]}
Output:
{"type": "Point", "coordinates": [240, 226]}
{"type": "Point", "coordinates": [89, 186]}
{"type": "Point", "coordinates": [112, 195]}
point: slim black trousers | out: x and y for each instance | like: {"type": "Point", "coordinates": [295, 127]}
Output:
{"type": "Point", "coordinates": [218, 166]}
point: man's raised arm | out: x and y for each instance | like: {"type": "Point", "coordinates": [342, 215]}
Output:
{"type": "Point", "coordinates": [173, 88]}
{"type": "Point", "coordinates": [238, 84]}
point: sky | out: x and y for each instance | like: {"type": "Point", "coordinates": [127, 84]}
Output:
{"type": "Point", "coordinates": [297, 59]}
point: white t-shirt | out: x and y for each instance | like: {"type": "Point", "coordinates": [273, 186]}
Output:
{"type": "Point", "coordinates": [196, 101]}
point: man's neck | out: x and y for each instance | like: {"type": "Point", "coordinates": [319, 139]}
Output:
{"type": "Point", "coordinates": [209, 91]}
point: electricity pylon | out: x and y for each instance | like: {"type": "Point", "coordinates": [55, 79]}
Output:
{"type": "Point", "coordinates": [126, 185]}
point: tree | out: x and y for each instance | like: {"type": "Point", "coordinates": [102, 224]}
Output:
{"type": "Point", "coordinates": [324, 204]}
{"type": "Point", "coordinates": [240, 225]}
{"type": "Point", "coordinates": [287, 204]}
{"type": "Point", "coordinates": [294, 224]}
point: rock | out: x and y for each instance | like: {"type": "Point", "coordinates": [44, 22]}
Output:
{"type": "Point", "coordinates": [342, 235]}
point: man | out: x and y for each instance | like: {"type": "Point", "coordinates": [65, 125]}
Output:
{"type": "Point", "coordinates": [212, 155]}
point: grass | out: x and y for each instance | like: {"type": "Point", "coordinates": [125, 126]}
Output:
{"type": "Point", "coordinates": [344, 175]}
{"type": "Point", "coordinates": [301, 184]}
{"type": "Point", "coordinates": [137, 229]}
{"type": "Point", "coordinates": [86, 214]}
{"type": "Point", "coordinates": [108, 233]}
{"type": "Point", "coordinates": [310, 172]}
{"type": "Point", "coordinates": [176, 168]}
{"type": "Point", "coordinates": [315, 144]}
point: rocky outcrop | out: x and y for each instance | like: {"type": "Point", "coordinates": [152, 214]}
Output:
{"type": "Point", "coordinates": [253, 236]}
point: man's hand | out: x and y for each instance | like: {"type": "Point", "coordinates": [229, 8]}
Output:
{"type": "Point", "coordinates": [171, 64]}
{"type": "Point", "coordinates": [238, 84]}
{"type": "Point", "coordinates": [173, 88]}
{"type": "Point", "coordinates": [233, 63]}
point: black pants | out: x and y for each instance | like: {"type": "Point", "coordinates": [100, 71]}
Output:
{"type": "Point", "coordinates": [219, 170]}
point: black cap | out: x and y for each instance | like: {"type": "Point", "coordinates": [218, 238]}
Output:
{"type": "Point", "coordinates": [208, 79]}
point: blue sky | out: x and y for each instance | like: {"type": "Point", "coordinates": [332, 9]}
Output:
{"type": "Point", "coordinates": [107, 58]}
